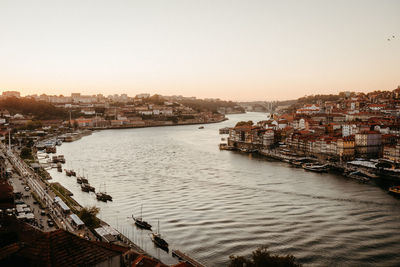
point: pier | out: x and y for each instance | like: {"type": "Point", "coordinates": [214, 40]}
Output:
{"type": "Point", "coordinates": [186, 258]}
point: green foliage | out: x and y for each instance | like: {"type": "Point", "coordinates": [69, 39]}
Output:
{"type": "Point", "coordinates": [262, 257]}
{"type": "Point", "coordinates": [88, 216]}
{"type": "Point", "coordinates": [244, 123]}
{"type": "Point", "coordinates": [205, 105]}
{"type": "Point", "coordinates": [37, 109]}
{"type": "Point", "coordinates": [156, 99]}
{"type": "Point", "coordinates": [26, 153]}
{"type": "Point", "coordinates": [314, 98]}
{"type": "Point", "coordinates": [33, 125]}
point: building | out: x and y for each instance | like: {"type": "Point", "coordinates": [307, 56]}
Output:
{"type": "Point", "coordinates": [24, 245]}
{"type": "Point", "coordinates": [11, 94]}
{"type": "Point", "coordinates": [368, 144]}
{"type": "Point", "coordinates": [346, 148]}
{"type": "Point", "coordinates": [392, 152]}
{"type": "Point", "coordinates": [309, 109]}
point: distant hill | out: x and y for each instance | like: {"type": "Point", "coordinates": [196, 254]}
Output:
{"type": "Point", "coordinates": [30, 107]}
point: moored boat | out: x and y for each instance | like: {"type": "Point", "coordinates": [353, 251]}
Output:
{"type": "Point", "coordinates": [59, 167]}
{"type": "Point", "coordinates": [84, 187]}
{"type": "Point", "coordinates": [103, 197]}
{"type": "Point", "coordinates": [395, 190]}
{"type": "Point", "coordinates": [140, 222]}
{"type": "Point", "coordinates": [158, 240]}
{"type": "Point", "coordinates": [315, 167]}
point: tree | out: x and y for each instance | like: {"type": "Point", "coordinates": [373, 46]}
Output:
{"type": "Point", "coordinates": [244, 123]}
{"type": "Point", "coordinates": [262, 257]}
{"type": "Point", "coordinates": [88, 216]}
{"type": "Point", "coordinates": [33, 125]}
{"type": "Point", "coordinates": [26, 153]}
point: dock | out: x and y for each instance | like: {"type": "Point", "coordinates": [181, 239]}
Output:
{"type": "Point", "coordinates": [186, 258]}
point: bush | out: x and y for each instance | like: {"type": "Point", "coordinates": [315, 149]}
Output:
{"type": "Point", "coordinates": [88, 216]}
{"type": "Point", "coordinates": [262, 257]}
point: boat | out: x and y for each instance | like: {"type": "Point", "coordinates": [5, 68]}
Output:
{"type": "Point", "coordinates": [84, 187]}
{"type": "Point", "coordinates": [84, 180]}
{"type": "Point", "coordinates": [51, 149]}
{"type": "Point", "coordinates": [395, 190]}
{"type": "Point", "coordinates": [357, 175]}
{"type": "Point", "coordinates": [67, 172]}
{"type": "Point", "coordinates": [91, 188]}
{"type": "Point", "coordinates": [79, 180]}
{"type": "Point", "coordinates": [61, 158]}
{"type": "Point", "coordinates": [140, 222]}
{"type": "Point", "coordinates": [158, 240]}
{"type": "Point", "coordinates": [73, 173]}
{"type": "Point", "coordinates": [59, 167]}
{"type": "Point", "coordinates": [201, 127]}
{"type": "Point", "coordinates": [103, 196]}
{"type": "Point", "coordinates": [315, 168]}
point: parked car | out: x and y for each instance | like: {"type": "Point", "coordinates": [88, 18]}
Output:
{"type": "Point", "coordinates": [50, 223]}
{"type": "Point", "coordinates": [27, 188]}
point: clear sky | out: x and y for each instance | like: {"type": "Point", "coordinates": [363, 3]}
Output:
{"type": "Point", "coordinates": [238, 50]}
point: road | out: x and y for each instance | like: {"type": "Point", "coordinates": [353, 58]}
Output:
{"type": "Point", "coordinates": [45, 194]}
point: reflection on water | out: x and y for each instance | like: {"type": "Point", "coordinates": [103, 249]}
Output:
{"type": "Point", "coordinates": [212, 203]}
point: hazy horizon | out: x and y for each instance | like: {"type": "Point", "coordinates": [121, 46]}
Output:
{"type": "Point", "coordinates": [232, 50]}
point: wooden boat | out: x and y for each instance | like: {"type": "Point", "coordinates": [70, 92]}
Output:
{"type": "Point", "coordinates": [103, 196]}
{"type": "Point", "coordinates": [84, 187]}
{"type": "Point", "coordinates": [315, 168]}
{"type": "Point", "coordinates": [158, 240]}
{"type": "Point", "coordinates": [357, 175]}
{"type": "Point", "coordinates": [59, 167]}
{"type": "Point", "coordinates": [395, 190]}
{"type": "Point", "coordinates": [140, 222]}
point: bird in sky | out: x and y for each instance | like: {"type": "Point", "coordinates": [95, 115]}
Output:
{"type": "Point", "coordinates": [391, 38]}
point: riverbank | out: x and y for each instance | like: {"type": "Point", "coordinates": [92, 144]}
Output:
{"type": "Point", "coordinates": [66, 196]}
{"type": "Point", "coordinates": [153, 125]}
{"type": "Point", "coordinates": [361, 170]}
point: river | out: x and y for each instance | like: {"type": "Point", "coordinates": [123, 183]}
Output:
{"type": "Point", "coordinates": [212, 203]}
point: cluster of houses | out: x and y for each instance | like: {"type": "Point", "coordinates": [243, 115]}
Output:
{"type": "Point", "coordinates": [98, 111]}
{"type": "Point", "coordinates": [356, 126]}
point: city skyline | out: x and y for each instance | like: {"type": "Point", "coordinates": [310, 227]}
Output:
{"type": "Point", "coordinates": [228, 50]}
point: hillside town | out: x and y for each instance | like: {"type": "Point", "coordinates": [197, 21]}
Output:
{"type": "Point", "coordinates": [115, 111]}
{"type": "Point", "coordinates": [355, 126]}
